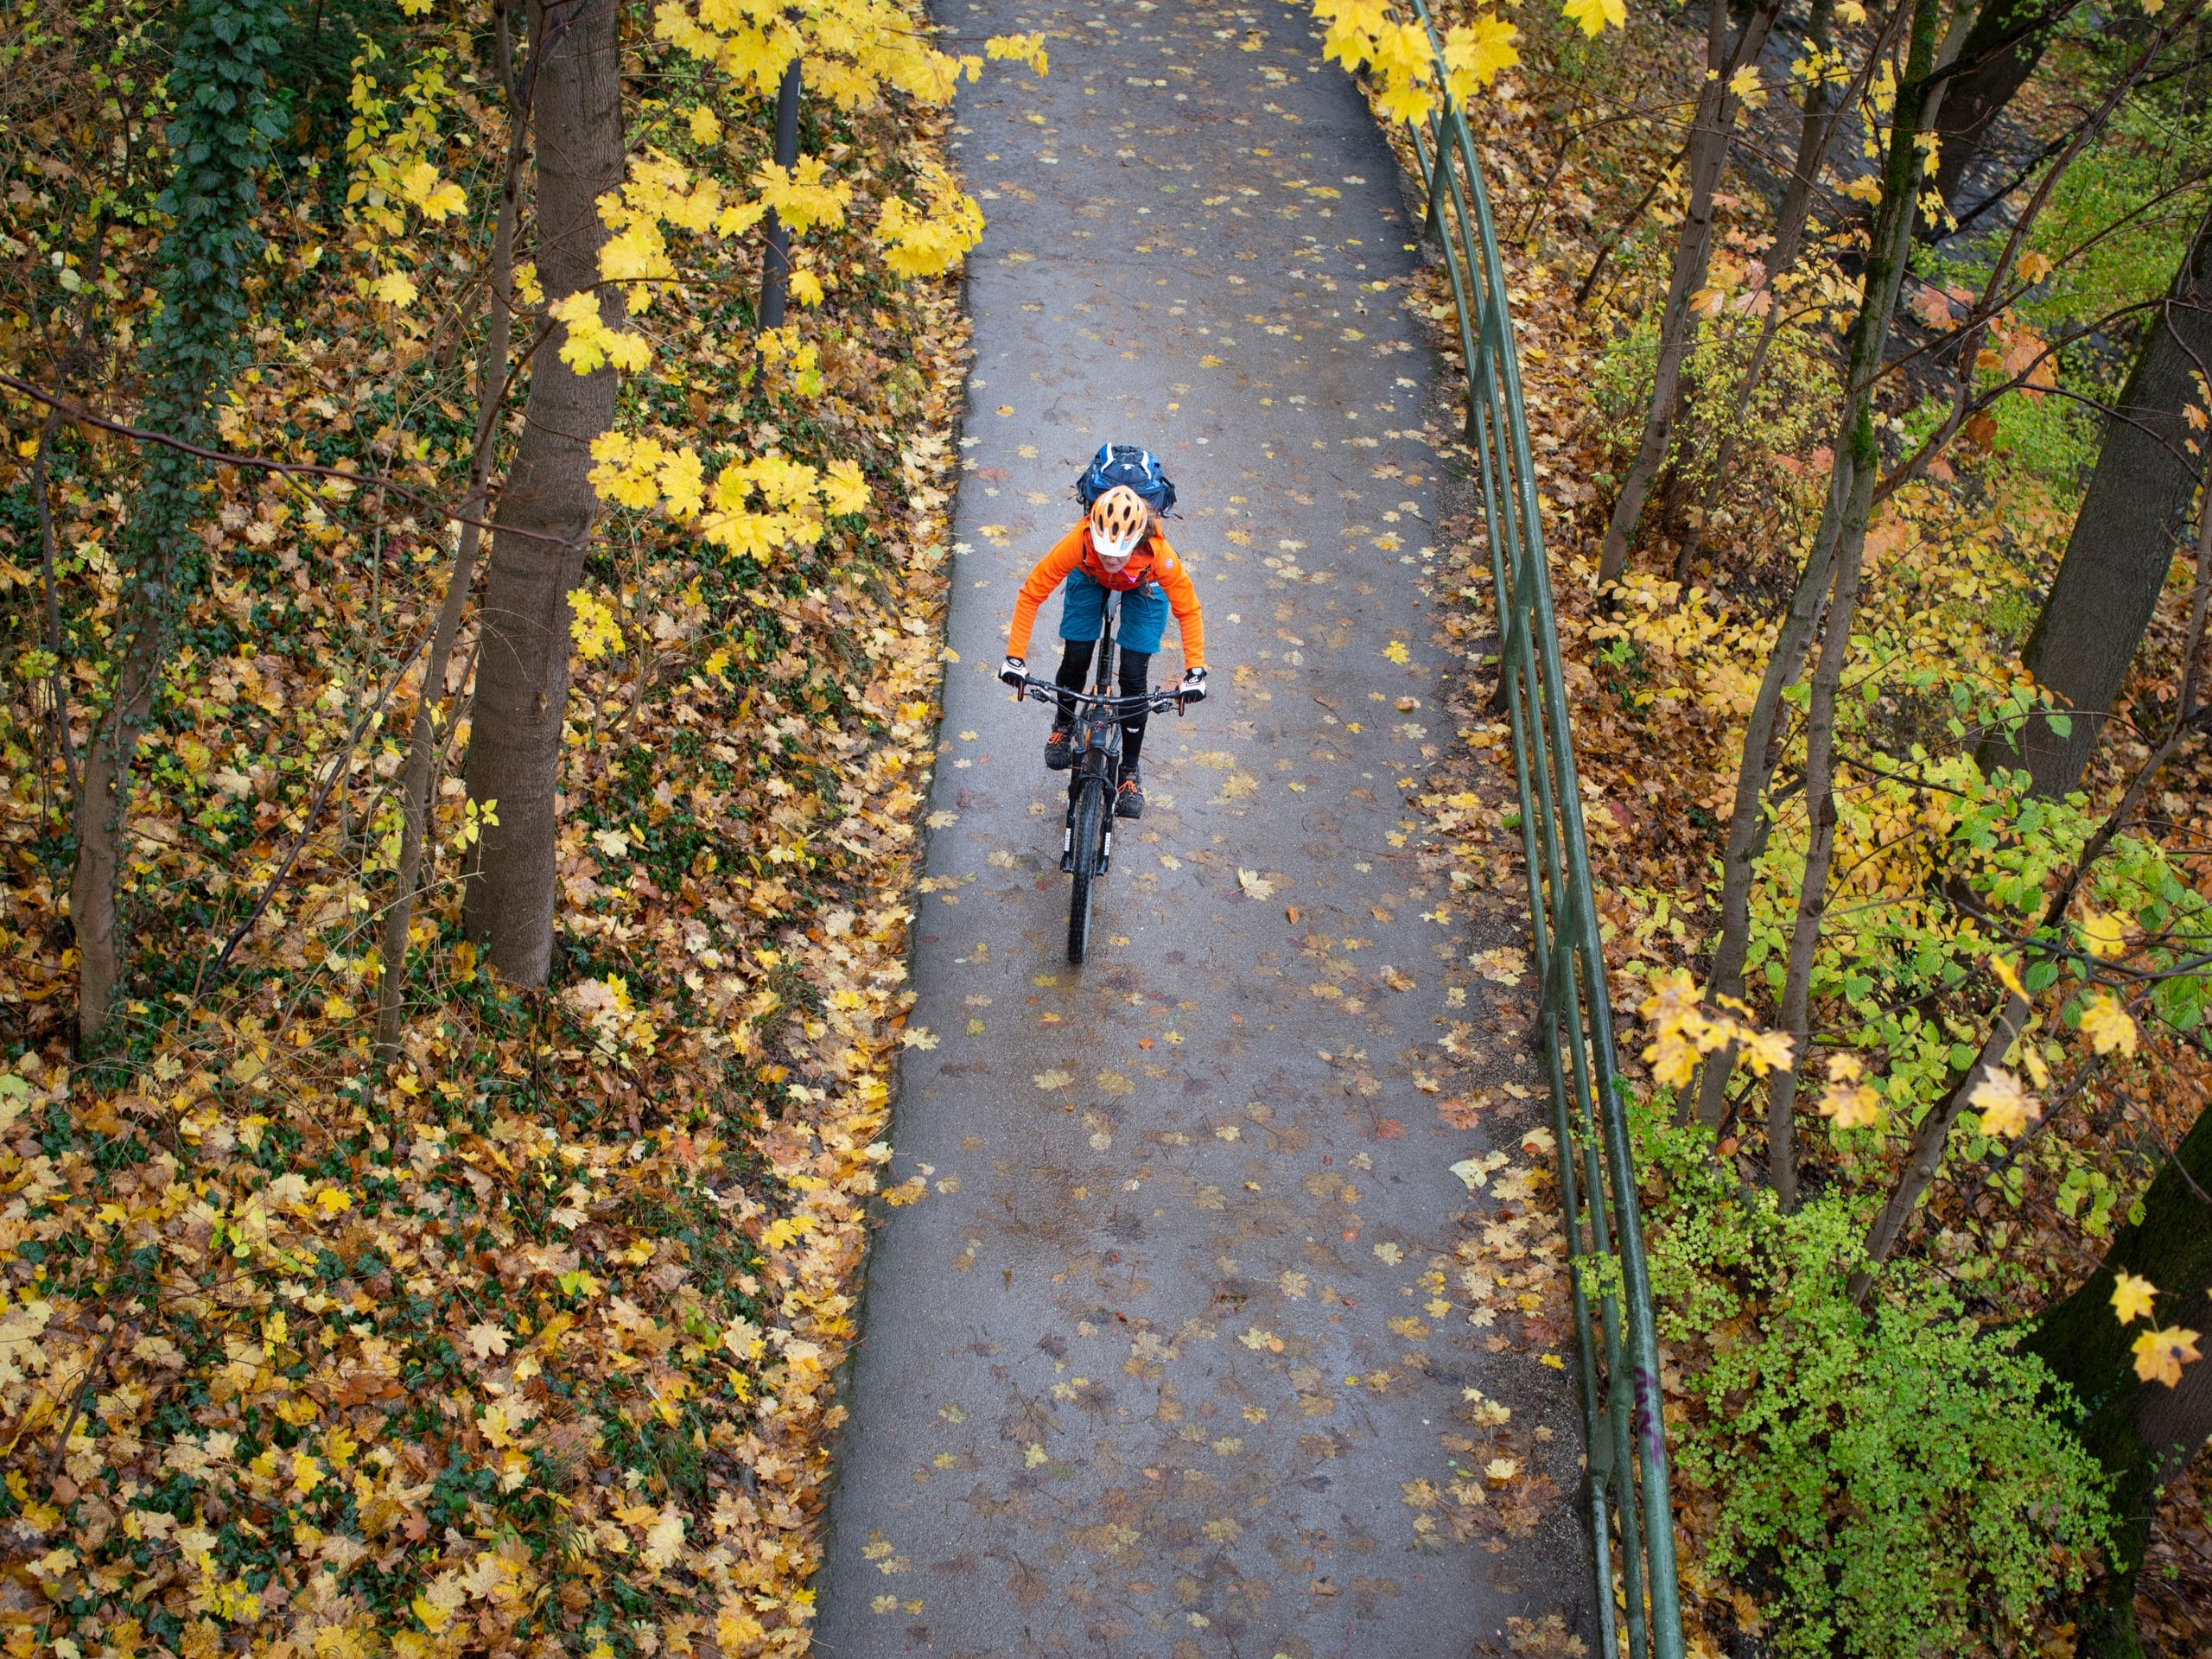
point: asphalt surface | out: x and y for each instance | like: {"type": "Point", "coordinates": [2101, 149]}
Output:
{"type": "Point", "coordinates": [1162, 1363]}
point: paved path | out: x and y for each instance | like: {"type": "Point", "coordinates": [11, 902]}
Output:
{"type": "Point", "coordinates": [1159, 1364]}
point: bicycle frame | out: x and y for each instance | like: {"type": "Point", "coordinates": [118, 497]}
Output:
{"type": "Point", "coordinates": [1096, 765]}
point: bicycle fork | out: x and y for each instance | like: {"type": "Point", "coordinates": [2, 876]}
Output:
{"type": "Point", "coordinates": [1098, 756]}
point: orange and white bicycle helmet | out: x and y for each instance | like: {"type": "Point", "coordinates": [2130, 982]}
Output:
{"type": "Point", "coordinates": [1119, 522]}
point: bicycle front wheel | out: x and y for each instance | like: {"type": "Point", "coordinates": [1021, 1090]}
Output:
{"type": "Point", "coordinates": [1089, 831]}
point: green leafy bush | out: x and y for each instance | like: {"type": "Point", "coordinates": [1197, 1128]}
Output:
{"type": "Point", "coordinates": [1898, 1479]}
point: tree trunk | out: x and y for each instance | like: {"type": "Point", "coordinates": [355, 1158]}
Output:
{"type": "Point", "coordinates": [2000, 52]}
{"type": "Point", "coordinates": [1820, 850]}
{"type": "Point", "coordinates": [220, 141]}
{"type": "Point", "coordinates": [1711, 130]}
{"type": "Point", "coordinates": [522, 682]}
{"type": "Point", "coordinates": [1919, 99]}
{"type": "Point", "coordinates": [2144, 1434]}
{"type": "Point", "coordinates": [1925, 1161]}
{"type": "Point", "coordinates": [776, 260]}
{"type": "Point", "coordinates": [423, 739]}
{"type": "Point", "coordinates": [2124, 539]}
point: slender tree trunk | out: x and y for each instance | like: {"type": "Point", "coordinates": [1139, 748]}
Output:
{"type": "Point", "coordinates": [103, 806]}
{"type": "Point", "coordinates": [2124, 539]}
{"type": "Point", "coordinates": [1918, 100]}
{"type": "Point", "coordinates": [1711, 129]}
{"type": "Point", "coordinates": [2143, 1432]}
{"type": "Point", "coordinates": [1999, 54]}
{"type": "Point", "coordinates": [776, 263]}
{"type": "Point", "coordinates": [1814, 134]}
{"type": "Point", "coordinates": [423, 744]}
{"type": "Point", "coordinates": [522, 683]}
{"type": "Point", "coordinates": [1819, 851]}
{"type": "Point", "coordinates": [220, 141]}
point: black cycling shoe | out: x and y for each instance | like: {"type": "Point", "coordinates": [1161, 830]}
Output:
{"type": "Point", "coordinates": [1059, 748]}
{"type": "Point", "coordinates": [1128, 800]}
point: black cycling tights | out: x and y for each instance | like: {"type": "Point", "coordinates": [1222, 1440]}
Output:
{"type": "Point", "coordinates": [1075, 672]}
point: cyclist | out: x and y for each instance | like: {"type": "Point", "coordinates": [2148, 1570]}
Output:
{"type": "Point", "coordinates": [1119, 547]}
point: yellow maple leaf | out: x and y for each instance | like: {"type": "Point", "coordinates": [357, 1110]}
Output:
{"type": "Point", "coordinates": [2132, 1298]}
{"type": "Point", "coordinates": [2107, 1026]}
{"type": "Point", "coordinates": [706, 125]}
{"type": "Point", "coordinates": [663, 1539]}
{"type": "Point", "coordinates": [2008, 972]}
{"type": "Point", "coordinates": [1595, 16]}
{"type": "Point", "coordinates": [1477, 54]}
{"type": "Point", "coordinates": [2159, 1355]}
{"type": "Point", "coordinates": [435, 198]}
{"type": "Point", "coordinates": [1765, 1051]}
{"type": "Point", "coordinates": [1848, 1101]}
{"type": "Point", "coordinates": [1396, 652]}
{"type": "Point", "coordinates": [2006, 1107]}
{"type": "Point", "coordinates": [1744, 86]}
{"type": "Point", "coordinates": [393, 288]}
{"type": "Point", "coordinates": [2103, 932]}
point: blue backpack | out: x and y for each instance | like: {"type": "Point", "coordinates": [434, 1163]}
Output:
{"type": "Point", "coordinates": [1124, 463]}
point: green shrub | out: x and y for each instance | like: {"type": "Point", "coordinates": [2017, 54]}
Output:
{"type": "Point", "coordinates": [1897, 1481]}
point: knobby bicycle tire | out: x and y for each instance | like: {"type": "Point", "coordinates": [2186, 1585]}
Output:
{"type": "Point", "coordinates": [1090, 830]}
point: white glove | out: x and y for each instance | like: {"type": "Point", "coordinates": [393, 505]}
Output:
{"type": "Point", "coordinates": [1194, 687]}
{"type": "Point", "coordinates": [1014, 670]}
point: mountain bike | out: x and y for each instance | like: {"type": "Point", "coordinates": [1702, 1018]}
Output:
{"type": "Point", "coordinates": [1094, 773]}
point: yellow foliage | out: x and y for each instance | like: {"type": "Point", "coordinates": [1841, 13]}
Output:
{"type": "Point", "coordinates": [1475, 54]}
{"type": "Point", "coordinates": [1021, 49]}
{"type": "Point", "coordinates": [1370, 34]}
{"type": "Point", "coordinates": [798, 196]}
{"type": "Point", "coordinates": [589, 343]}
{"type": "Point", "coordinates": [930, 242]}
{"type": "Point", "coordinates": [2006, 1107]}
{"type": "Point", "coordinates": [593, 626]}
{"type": "Point", "coordinates": [2159, 1355]}
{"type": "Point", "coordinates": [2105, 934]}
{"type": "Point", "coordinates": [1683, 1030]}
{"type": "Point", "coordinates": [1849, 1101]}
{"type": "Point", "coordinates": [2107, 1025]}
{"type": "Point", "coordinates": [1596, 16]}
{"type": "Point", "coordinates": [2131, 1296]}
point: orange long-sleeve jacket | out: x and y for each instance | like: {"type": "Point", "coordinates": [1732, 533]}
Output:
{"type": "Point", "coordinates": [1154, 561]}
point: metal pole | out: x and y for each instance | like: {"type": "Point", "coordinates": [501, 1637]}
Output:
{"type": "Point", "coordinates": [776, 263]}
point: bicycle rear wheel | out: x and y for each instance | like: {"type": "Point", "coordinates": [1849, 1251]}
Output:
{"type": "Point", "coordinates": [1089, 831]}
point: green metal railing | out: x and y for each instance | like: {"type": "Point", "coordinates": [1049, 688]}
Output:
{"type": "Point", "coordinates": [1616, 1357]}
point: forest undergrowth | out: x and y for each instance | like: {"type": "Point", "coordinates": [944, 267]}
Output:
{"type": "Point", "coordinates": [1837, 1475]}
{"type": "Point", "coordinates": [523, 1333]}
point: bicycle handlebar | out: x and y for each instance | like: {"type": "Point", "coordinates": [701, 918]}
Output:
{"type": "Point", "coordinates": [1052, 691]}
